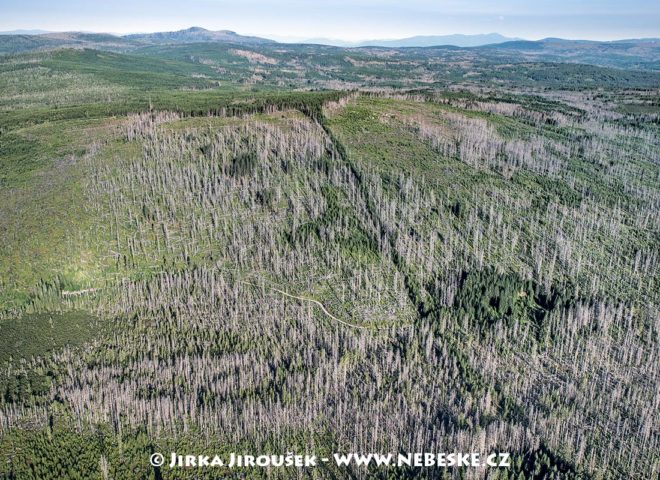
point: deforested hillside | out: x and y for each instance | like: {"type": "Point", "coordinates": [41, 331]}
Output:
{"type": "Point", "coordinates": [363, 272]}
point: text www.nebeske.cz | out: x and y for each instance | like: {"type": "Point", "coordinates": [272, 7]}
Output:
{"type": "Point", "coordinates": [350, 459]}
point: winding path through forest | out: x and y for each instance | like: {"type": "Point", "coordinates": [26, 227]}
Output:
{"type": "Point", "coordinates": [319, 304]}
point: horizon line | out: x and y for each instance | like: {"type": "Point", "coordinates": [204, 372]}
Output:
{"type": "Point", "coordinates": [303, 39]}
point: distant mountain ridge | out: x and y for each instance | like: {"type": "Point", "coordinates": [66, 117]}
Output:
{"type": "Point", "coordinates": [456, 40]}
{"type": "Point", "coordinates": [194, 35]}
{"type": "Point", "coordinates": [12, 43]}
{"type": "Point", "coordinates": [634, 53]}
{"type": "Point", "coordinates": [637, 54]}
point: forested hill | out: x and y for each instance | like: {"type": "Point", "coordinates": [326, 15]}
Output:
{"type": "Point", "coordinates": [261, 248]}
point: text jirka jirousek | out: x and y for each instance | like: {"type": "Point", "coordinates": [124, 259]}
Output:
{"type": "Point", "coordinates": [426, 459]}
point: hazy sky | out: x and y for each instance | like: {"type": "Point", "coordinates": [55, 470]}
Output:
{"type": "Point", "coordinates": [344, 19]}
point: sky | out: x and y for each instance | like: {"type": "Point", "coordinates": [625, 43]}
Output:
{"type": "Point", "coordinates": [350, 20]}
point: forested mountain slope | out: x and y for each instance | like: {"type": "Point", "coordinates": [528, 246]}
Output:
{"type": "Point", "coordinates": [216, 268]}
